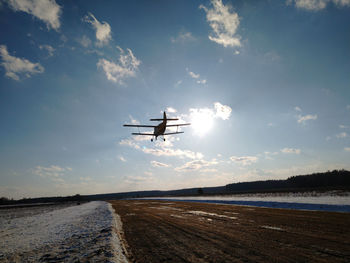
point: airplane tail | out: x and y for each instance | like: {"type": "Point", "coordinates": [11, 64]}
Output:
{"type": "Point", "coordinates": [164, 118]}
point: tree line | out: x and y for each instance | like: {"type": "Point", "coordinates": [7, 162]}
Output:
{"type": "Point", "coordinates": [327, 180]}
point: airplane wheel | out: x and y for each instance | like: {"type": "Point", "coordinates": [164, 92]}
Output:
{"type": "Point", "coordinates": [164, 139]}
{"type": "Point", "coordinates": [151, 140]}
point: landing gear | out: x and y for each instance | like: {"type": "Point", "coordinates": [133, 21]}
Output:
{"type": "Point", "coordinates": [152, 140]}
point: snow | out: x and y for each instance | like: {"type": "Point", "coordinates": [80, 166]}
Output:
{"type": "Point", "coordinates": [326, 201]}
{"type": "Point", "coordinates": [272, 228]}
{"type": "Point", "coordinates": [71, 233]}
{"type": "Point", "coordinates": [202, 213]}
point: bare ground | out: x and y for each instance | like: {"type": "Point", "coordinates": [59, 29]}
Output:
{"type": "Point", "coordinates": [162, 231]}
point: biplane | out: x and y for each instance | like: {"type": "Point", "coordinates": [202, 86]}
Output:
{"type": "Point", "coordinates": [159, 130]}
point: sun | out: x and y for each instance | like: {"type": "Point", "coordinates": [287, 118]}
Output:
{"type": "Point", "coordinates": [202, 121]}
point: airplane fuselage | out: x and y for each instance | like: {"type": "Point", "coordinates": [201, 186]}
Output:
{"type": "Point", "coordinates": [160, 128]}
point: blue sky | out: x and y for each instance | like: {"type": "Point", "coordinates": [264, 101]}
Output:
{"type": "Point", "coordinates": [265, 84]}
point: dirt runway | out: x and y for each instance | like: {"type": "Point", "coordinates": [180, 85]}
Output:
{"type": "Point", "coordinates": [162, 231]}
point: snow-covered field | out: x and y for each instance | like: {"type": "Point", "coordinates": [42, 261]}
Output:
{"type": "Point", "coordinates": [72, 234]}
{"type": "Point", "coordinates": [322, 201]}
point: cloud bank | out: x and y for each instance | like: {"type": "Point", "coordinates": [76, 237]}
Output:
{"type": "Point", "coordinates": [46, 10]}
{"type": "Point", "coordinates": [51, 171]}
{"type": "Point", "coordinates": [316, 5]}
{"type": "Point", "coordinates": [244, 160]}
{"type": "Point", "coordinates": [17, 66]}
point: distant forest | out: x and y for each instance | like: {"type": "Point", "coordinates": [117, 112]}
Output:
{"type": "Point", "coordinates": [330, 180]}
{"type": "Point", "coordinates": [327, 180]}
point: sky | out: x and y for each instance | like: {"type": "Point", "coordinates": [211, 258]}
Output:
{"type": "Point", "coordinates": [265, 85]}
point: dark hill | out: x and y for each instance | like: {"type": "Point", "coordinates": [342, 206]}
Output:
{"type": "Point", "coordinates": [331, 180]}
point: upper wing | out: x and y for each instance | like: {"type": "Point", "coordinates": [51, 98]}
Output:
{"type": "Point", "coordinates": [137, 125]}
{"type": "Point", "coordinates": [169, 133]}
{"type": "Point", "coordinates": [147, 134]}
{"type": "Point", "coordinates": [163, 119]}
{"type": "Point", "coordinates": [177, 125]}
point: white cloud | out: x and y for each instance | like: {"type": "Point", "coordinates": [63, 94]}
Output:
{"type": "Point", "coordinates": [85, 179]}
{"type": "Point", "coordinates": [222, 111]}
{"type": "Point", "coordinates": [50, 50]}
{"type": "Point", "coordinates": [193, 75]}
{"type": "Point", "coordinates": [347, 149]}
{"type": "Point", "coordinates": [15, 66]}
{"type": "Point", "coordinates": [125, 68]}
{"type": "Point", "coordinates": [148, 173]}
{"type": "Point", "coordinates": [51, 171]}
{"type": "Point", "coordinates": [137, 179]}
{"type": "Point", "coordinates": [244, 160]}
{"type": "Point", "coordinates": [272, 56]}
{"type": "Point", "coordinates": [342, 135]}
{"type": "Point", "coordinates": [302, 119]}
{"type": "Point", "coordinates": [168, 143]}
{"type": "Point", "coordinates": [171, 110]}
{"type": "Point", "coordinates": [158, 164]}
{"type": "Point", "coordinates": [311, 4]}
{"type": "Point", "coordinates": [133, 121]}
{"type": "Point", "coordinates": [84, 41]}
{"type": "Point", "coordinates": [182, 37]}
{"type": "Point", "coordinates": [129, 142]}
{"type": "Point", "coordinates": [343, 126]}
{"type": "Point", "coordinates": [173, 152]}
{"type": "Point", "coordinates": [196, 77]}
{"type": "Point", "coordinates": [224, 23]}
{"type": "Point", "coordinates": [291, 151]}
{"type": "Point", "coordinates": [103, 30]}
{"type": "Point", "coordinates": [297, 108]}
{"type": "Point", "coordinates": [316, 5]}
{"type": "Point", "coordinates": [178, 83]}
{"type": "Point", "coordinates": [195, 165]}
{"type": "Point", "coordinates": [202, 81]}
{"type": "Point", "coordinates": [161, 148]}
{"type": "Point", "coordinates": [120, 157]}
{"type": "Point", "coordinates": [268, 155]}
{"type": "Point", "coordinates": [46, 10]}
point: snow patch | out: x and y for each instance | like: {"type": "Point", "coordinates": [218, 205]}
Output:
{"type": "Point", "coordinates": [76, 233]}
{"type": "Point", "coordinates": [118, 241]}
{"type": "Point", "coordinates": [202, 213]}
{"type": "Point", "coordinates": [272, 228]}
{"type": "Point", "coordinates": [335, 201]}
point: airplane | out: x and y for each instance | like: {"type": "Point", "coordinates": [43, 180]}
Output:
{"type": "Point", "coordinates": [159, 130]}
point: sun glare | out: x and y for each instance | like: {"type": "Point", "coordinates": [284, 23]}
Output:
{"type": "Point", "coordinates": [202, 121]}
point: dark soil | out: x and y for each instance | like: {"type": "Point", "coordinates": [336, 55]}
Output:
{"type": "Point", "coordinates": [162, 231]}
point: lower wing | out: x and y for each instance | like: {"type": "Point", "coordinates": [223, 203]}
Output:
{"type": "Point", "coordinates": [132, 125]}
{"type": "Point", "coordinates": [146, 134]}
{"type": "Point", "coordinates": [170, 133]}
{"type": "Point", "coordinates": [177, 125]}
